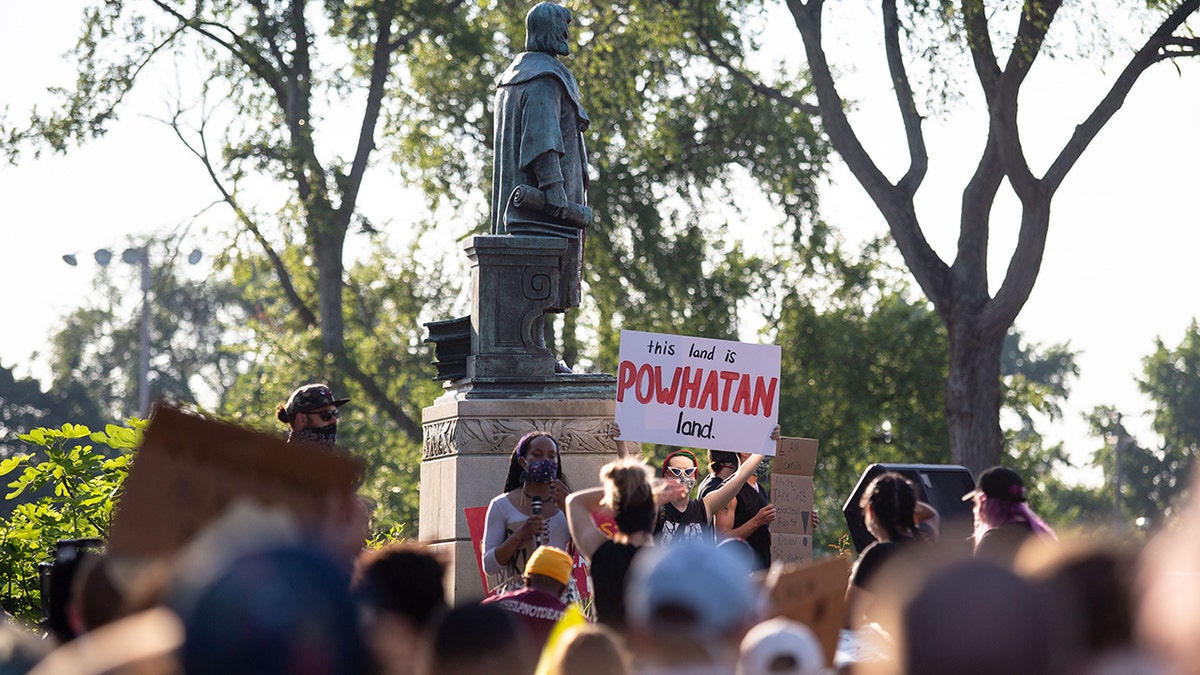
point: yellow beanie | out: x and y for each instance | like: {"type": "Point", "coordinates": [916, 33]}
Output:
{"type": "Point", "coordinates": [551, 562]}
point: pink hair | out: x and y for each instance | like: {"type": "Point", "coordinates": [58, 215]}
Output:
{"type": "Point", "coordinates": [992, 512]}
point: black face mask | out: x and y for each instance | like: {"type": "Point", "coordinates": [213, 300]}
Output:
{"type": "Point", "coordinates": [326, 435]}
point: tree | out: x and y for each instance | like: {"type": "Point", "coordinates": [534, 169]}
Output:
{"type": "Point", "coordinates": [1153, 480]}
{"type": "Point", "coordinates": [195, 341]}
{"type": "Point", "coordinates": [976, 320]}
{"type": "Point", "coordinates": [862, 367]}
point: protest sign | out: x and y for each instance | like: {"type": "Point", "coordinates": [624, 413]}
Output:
{"type": "Point", "coordinates": [814, 595]}
{"type": "Point", "coordinates": [697, 392]}
{"type": "Point", "coordinates": [792, 493]}
{"type": "Point", "coordinates": [189, 468]}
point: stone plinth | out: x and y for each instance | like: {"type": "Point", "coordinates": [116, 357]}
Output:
{"type": "Point", "coordinates": [465, 458]}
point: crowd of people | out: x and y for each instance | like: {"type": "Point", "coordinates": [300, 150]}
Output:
{"type": "Point", "coordinates": [676, 586]}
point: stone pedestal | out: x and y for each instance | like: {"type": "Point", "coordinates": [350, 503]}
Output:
{"type": "Point", "coordinates": [467, 446]}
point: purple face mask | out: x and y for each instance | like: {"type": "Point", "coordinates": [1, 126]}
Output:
{"type": "Point", "coordinates": [542, 470]}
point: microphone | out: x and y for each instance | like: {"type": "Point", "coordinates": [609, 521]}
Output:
{"type": "Point", "coordinates": [535, 504]}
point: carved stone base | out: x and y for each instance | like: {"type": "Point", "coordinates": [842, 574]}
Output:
{"type": "Point", "coordinates": [465, 459]}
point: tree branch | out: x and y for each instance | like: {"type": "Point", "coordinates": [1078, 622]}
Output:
{"type": "Point", "coordinates": [402, 40]}
{"type": "Point", "coordinates": [1151, 52]}
{"type": "Point", "coordinates": [979, 41]}
{"type": "Point", "coordinates": [755, 85]}
{"type": "Point", "coordinates": [281, 272]}
{"type": "Point", "coordinates": [930, 271]}
{"type": "Point", "coordinates": [917, 153]}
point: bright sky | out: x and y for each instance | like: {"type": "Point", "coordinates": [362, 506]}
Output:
{"type": "Point", "coordinates": [1118, 270]}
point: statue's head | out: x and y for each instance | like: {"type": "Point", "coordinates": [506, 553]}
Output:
{"type": "Point", "coordinates": [546, 29]}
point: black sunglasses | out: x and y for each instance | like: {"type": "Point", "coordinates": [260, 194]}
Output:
{"type": "Point", "coordinates": [326, 414]}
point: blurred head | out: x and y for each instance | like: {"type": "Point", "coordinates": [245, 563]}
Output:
{"type": "Point", "coordinates": [546, 29]}
{"type": "Point", "coordinates": [629, 494]}
{"type": "Point", "coordinates": [781, 647]}
{"type": "Point", "coordinates": [400, 589]}
{"type": "Point", "coordinates": [589, 649]}
{"type": "Point", "coordinates": [973, 616]}
{"type": "Point", "coordinates": [888, 505]}
{"type": "Point", "coordinates": [475, 638]}
{"type": "Point", "coordinates": [536, 457]}
{"type": "Point", "coordinates": [1000, 498]}
{"type": "Point", "coordinates": [280, 610]}
{"type": "Point", "coordinates": [691, 602]}
{"type": "Point", "coordinates": [720, 460]}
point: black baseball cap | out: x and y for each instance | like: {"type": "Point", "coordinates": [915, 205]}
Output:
{"type": "Point", "coordinates": [999, 482]}
{"type": "Point", "coordinates": [312, 397]}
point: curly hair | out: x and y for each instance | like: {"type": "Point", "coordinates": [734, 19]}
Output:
{"type": "Point", "coordinates": [628, 492]}
{"type": "Point", "coordinates": [516, 474]}
{"type": "Point", "coordinates": [892, 500]}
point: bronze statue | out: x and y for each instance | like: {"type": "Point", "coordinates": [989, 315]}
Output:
{"type": "Point", "coordinates": [540, 176]}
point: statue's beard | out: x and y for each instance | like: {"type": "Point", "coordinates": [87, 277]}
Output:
{"type": "Point", "coordinates": [326, 435]}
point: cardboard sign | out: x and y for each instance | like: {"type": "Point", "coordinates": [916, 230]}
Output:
{"type": "Point", "coordinates": [792, 493]}
{"type": "Point", "coordinates": [190, 468]}
{"type": "Point", "coordinates": [814, 595]}
{"type": "Point", "coordinates": [697, 392]}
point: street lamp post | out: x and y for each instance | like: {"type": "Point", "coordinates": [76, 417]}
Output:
{"type": "Point", "coordinates": [140, 256]}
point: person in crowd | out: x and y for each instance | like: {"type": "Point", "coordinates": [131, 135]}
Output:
{"type": "Point", "coordinates": [530, 512]}
{"type": "Point", "coordinates": [401, 590]}
{"type": "Point", "coordinates": [539, 605]}
{"type": "Point", "coordinates": [282, 609]}
{"type": "Point", "coordinates": [475, 639]}
{"type": "Point", "coordinates": [1003, 519]}
{"type": "Point", "coordinates": [751, 512]}
{"type": "Point", "coordinates": [686, 519]}
{"type": "Point", "coordinates": [888, 506]}
{"type": "Point", "coordinates": [311, 413]}
{"type": "Point", "coordinates": [1089, 587]}
{"type": "Point", "coordinates": [589, 649]}
{"type": "Point", "coordinates": [627, 491]}
{"type": "Point", "coordinates": [689, 607]}
{"type": "Point", "coordinates": [781, 646]}
{"type": "Point", "coordinates": [972, 616]}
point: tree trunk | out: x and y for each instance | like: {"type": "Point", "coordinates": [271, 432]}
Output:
{"type": "Point", "coordinates": [327, 249]}
{"type": "Point", "coordinates": [973, 395]}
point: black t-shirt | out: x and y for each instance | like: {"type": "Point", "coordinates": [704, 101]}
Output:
{"type": "Point", "coordinates": [690, 524]}
{"type": "Point", "coordinates": [872, 559]}
{"type": "Point", "coordinates": [1000, 544]}
{"type": "Point", "coordinates": [749, 501]}
{"type": "Point", "coordinates": [609, 569]}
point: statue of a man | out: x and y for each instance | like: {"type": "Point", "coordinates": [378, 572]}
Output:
{"type": "Point", "coordinates": [540, 176]}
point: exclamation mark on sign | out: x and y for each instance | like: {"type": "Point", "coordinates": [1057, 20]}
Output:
{"type": "Point", "coordinates": [805, 519]}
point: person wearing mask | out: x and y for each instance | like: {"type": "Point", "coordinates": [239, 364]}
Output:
{"type": "Point", "coordinates": [686, 519]}
{"type": "Point", "coordinates": [752, 514]}
{"type": "Point", "coordinates": [311, 413]}
{"type": "Point", "coordinates": [530, 512]}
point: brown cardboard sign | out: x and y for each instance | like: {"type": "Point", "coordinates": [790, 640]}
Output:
{"type": "Point", "coordinates": [190, 467]}
{"type": "Point", "coordinates": [795, 456]}
{"type": "Point", "coordinates": [814, 595]}
{"type": "Point", "coordinates": [792, 493]}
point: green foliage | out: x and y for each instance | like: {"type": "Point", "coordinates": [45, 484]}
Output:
{"type": "Point", "coordinates": [76, 486]}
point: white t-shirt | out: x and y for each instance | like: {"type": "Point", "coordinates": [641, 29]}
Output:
{"type": "Point", "coordinates": [503, 518]}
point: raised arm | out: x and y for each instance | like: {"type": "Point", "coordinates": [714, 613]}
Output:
{"type": "Point", "coordinates": [717, 499]}
{"type": "Point", "coordinates": [624, 448]}
{"type": "Point", "coordinates": [587, 536]}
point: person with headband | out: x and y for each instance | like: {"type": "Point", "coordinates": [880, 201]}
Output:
{"type": "Point", "coordinates": [684, 518]}
{"type": "Point", "coordinates": [528, 513]}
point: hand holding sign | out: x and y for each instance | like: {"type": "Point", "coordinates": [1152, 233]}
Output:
{"type": "Point", "coordinates": [698, 392]}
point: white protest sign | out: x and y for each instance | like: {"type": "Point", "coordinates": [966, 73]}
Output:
{"type": "Point", "coordinates": [697, 392]}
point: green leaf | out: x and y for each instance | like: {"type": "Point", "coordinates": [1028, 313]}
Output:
{"type": "Point", "coordinates": [13, 462]}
